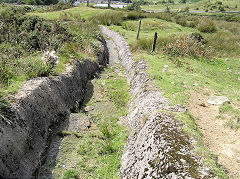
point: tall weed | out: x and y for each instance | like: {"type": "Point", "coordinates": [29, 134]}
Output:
{"type": "Point", "coordinates": [177, 46]}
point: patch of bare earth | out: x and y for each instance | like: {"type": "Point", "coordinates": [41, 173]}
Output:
{"type": "Point", "coordinates": [220, 139]}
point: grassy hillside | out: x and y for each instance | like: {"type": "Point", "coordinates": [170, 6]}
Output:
{"type": "Point", "coordinates": [181, 66]}
{"type": "Point", "coordinates": [24, 38]}
{"type": "Point", "coordinates": [73, 13]}
{"type": "Point", "coordinates": [201, 5]}
{"type": "Point", "coordinates": [193, 54]}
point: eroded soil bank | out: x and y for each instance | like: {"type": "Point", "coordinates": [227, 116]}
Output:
{"type": "Point", "coordinates": [36, 111]}
{"type": "Point", "coordinates": [91, 144]}
{"type": "Point", "coordinates": [157, 147]}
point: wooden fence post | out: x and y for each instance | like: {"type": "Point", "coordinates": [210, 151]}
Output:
{"type": "Point", "coordinates": [109, 4]}
{"type": "Point", "coordinates": [154, 42]}
{"type": "Point", "coordinates": [139, 26]}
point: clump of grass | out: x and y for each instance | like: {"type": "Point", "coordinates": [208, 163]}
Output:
{"type": "Point", "coordinates": [65, 133]}
{"type": "Point", "coordinates": [234, 115]}
{"type": "Point", "coordinates": [60, 6]}
{"type": "Point", "coordinates": [70, 174]}
{"type": "Point", "coordinates": [29, 67]}
{"type": "Point", "coordinates": [108, 18]}
{"type": "Point", "coordinates": [163, 15]}
{"type": "Point", "coordinates": [186, 46]}
{"type": "Point", "coordinates": [224, 42]}
{"type": "Point", "coordinates": [207, 26]}
{"type": "Point", "coordinates": [181, 46]}
{"type": "Point", "coordinates": [115, 18]}
{"type": "Point", "coordinates": [181, 20]}
{"type": "Point", "coordinates": [232, 124]}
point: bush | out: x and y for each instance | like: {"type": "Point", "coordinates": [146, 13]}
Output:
{"type": "Point", "coordinates": [60, 6]}
{"type": "Point", "coordinates": [194, 23]}
{"type": "Point", "coordinates": [108, 18]}
{"type": "Point", "coordinates": [116, 18]}
{"type": "Point", "coordinates": [134, 6]}
{"type": "Point", "coordinates": [224, 42]}
{"type": "Point", "coordinates": [29, 33]}
{"type": "Point", "coordinates": [181, 20]}
{"type": "Point", "coordinates": [162, 15]}
{"type": "Point", "coordinates": [207, 26]}
{"type": "Point", "coordinates": [221, 8]}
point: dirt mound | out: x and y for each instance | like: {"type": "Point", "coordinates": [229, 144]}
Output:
{"type": "Point", "coordinates": [156, 147]}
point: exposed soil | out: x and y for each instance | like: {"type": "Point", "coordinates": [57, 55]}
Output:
{"type": "Point", "coordinates": [219, 138]}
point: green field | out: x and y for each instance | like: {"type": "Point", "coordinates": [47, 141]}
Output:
{"type": "Point", "coordinates": [82, 12]}
{"type": "Point", "coordinates": [203, 5]}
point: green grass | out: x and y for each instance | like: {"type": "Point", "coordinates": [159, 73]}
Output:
{"type": "Point", "coordinates": [175, 75]}
{"type": "Point", "coordinates": [207, 75]}
{"type": "Point", "coordinates": [97, 153]}
{"type": "Point", "coordinates": [232, 114]}
{"type": "Point", "coordinates": [19, 63]}
{"type": "Point", "coordinates": [149, 27]}
{"type": "Point", "coordinates": [192, 129]}
{"type": "Point", "coordinates": [201, 5]}
{"type": "Point", "coordinates": [83, 12]}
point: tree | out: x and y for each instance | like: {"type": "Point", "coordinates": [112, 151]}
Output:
{"type": "Point", "coordinates": [183, 1]}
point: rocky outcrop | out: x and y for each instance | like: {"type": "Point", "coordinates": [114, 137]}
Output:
{"type": "Point", "coordinates": [156, 147]}
{"type": "Point", "coordinates": [36, 110]}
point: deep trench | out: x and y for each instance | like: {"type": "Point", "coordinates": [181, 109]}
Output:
{"type": "Point", "coordinates": [49, 161]}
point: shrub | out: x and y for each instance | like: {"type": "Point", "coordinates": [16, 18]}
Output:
{"type": "Point", "coordinates": [29, 33]}
{"type": "Point", "coordinates": [134, 6]}
{"type": "Point", "coordinates": [194, 23]}
{"type": "Point", "coordinates": [162, 15]}
{"type": "Point", "coordinates": [60, 6]}
{"type": "Point", "coordinates": [221, 8]}
{"type": "Point", "coordinates": [224, 42]}
{"type": "Point", "coordinates": [181, 20]}
{"type": "Point", "coordinates": [108, 18]}
{"type": "Point", "coordinates": [207, 26]}
{"type": "Point", "coordinates": [116, 18]}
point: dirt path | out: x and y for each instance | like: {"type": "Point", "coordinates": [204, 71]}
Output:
{"type": "Point", "coordinates": [220, 139]}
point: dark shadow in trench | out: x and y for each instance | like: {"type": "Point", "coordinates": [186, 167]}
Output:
{"type": "Point", "coordinates": [49, 160]}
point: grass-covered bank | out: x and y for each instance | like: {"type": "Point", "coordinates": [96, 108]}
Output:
{"type": "Point", "coordinates": [198, 5]}
{"type": "Point", "coordinates": [97, 152]}
{"type": "Point", "coordinates": [25, 38]}
{"type": "Point", "coordinates": [188, 60]}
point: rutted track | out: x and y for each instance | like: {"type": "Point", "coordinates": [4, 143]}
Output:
{"type": "Point", "coordinates": [157, 147]}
